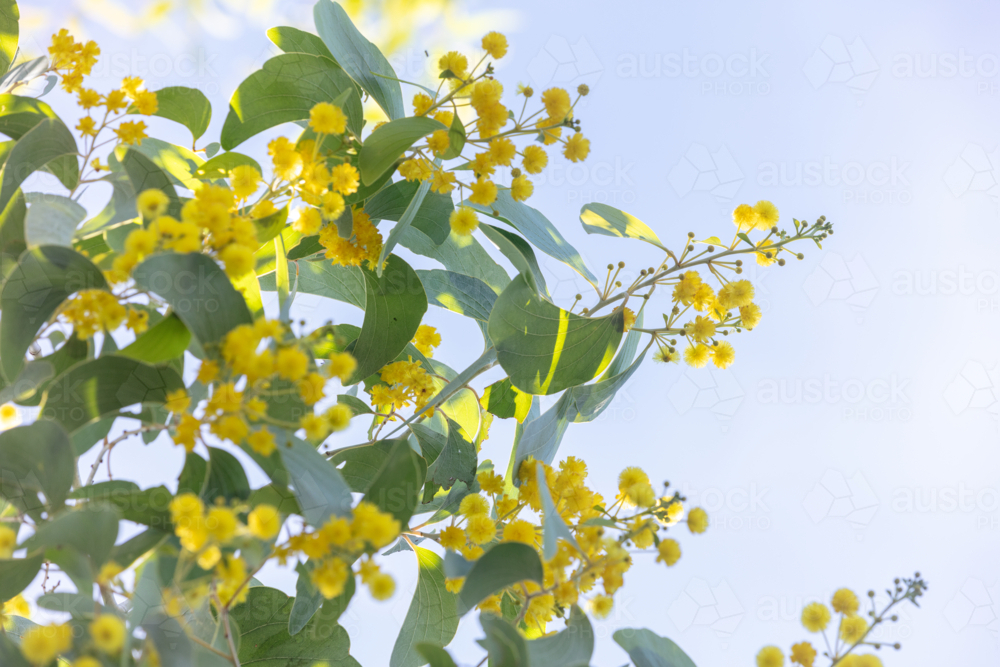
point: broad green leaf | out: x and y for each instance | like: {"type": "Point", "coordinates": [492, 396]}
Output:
{"type": "Point", "coordinates": [540, 436]}
{"type": "Point", "coordinates": [318, 486]}
{"type": "Point", "coordinates": [181, 165]}
{"type": "Point", "coordinates": [459, 293]}
{"type": "Point", "coordinates": [12, 234]}
{"type": "Point", "coordinates": [505, 400]}
{"type": "Point", "coordinates": [517, 250]}
{"type": "Point", "coordinates": [226, 477]}
{"type": "Point", "coordinates": [16, 574]}
{"type": "Point", "coordinates": [308, 600]}
{"type": "Point", "coordinates": [90, 530]}
{"type": "Point", "coordinates": [609, 221]}
{"type": "Point", "coordinates": [293, 40]}
{"type": "Point", "coordinates": [86, 437]}
{"type": "Point", "coordinates": [456, 139]}
{"type": "Point", "coordinates": [36, 459]}
{"type": "Point", "coordinates": [306, 247]}
{"type": "Point", "coordinates": [323, 278]}
{"type": "Point", "coordinates": [23, 73]}
{"type": "Point", "coordinates": [9, 19]}
{"type": "Point", "coordinates": [431, 218]}
{"type": "Point", "coordinates": [10, 652]}
{"type": "Point", "coordinates": [144, 174]}
{"type": "Point", "coordinates": [131, 550]}
{"type": "Point", "coordinates": [42, 280]}
{"type": "Point", "coordinates": [120, 207]}
{"type": "Point", "coordinates": [43, 145]}
{"type": "Point", "coordinates": [504, 644]}
{"type": "Point", "coordinates": [187, 106]}
{"type": "Point", "coordinates": [199, 293]}
{"type": "Point", "coordinates": [94, 389]}
{"type": "Point", "coordinates": [265, 642]}
{"type": "Point", "coordinates": [388, 143]}
{"type": "Point", "coordinates": [78, 605]}
{"type": "Point", "coordinates": [537, 229]}
{"type": "Point", "coordinates": [223, 163]}
{"type": "Point", "coordinates": [461, 407]}
{"type": "Point", "coordinates": [51, 219]}
{"type": "Point", "coordinates": [432, 616]}
{"type": "Point", "coordinates": [283, 91]}
{"type": "Point", "coordinates": [585, 403]}
{"type": "Point", "coordinates": [165, 340]}
{"type": "Point", "coordinates": [626, 354]}
{"type": "Point", "coordinates": [359, 57]}
{"type": "Point", "coordinates": [505, 564]}
{"type": "Point", "coordinates": [553, 527]}
{"type": "Point", "coordinates": [395, 304]}
{"type": "Point", "coordinates": [362, 464]}
{"type": "Point", "coordinates": [455, 461]}
{"type": "Point", "coordinates": [647, 649]}
{"type": "Point", "coordinates": [405, 221]}
{"type": "Point", "coordinates": [459, 254]}
{"type": "Point", "coordinates": [19, 114]}
{"type": "Point", "coordinates": [546, 349]}
{"type": "Point", "coordinates": [485, 361]}
{"type": "Point", "coordinates": [572, 647]}
{"type": "Point", "coordinates": [396, 486]}
{"type": "Point", "coordinates": [434, 655]}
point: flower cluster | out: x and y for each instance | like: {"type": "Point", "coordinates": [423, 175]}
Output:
{"type": "Point", "coordinates": [41, 644]}
{"type": "Point", "coordinates": [95, 310]}
{"type": "Point", "coordinates": [594, 563]}
{"type": "Point", "coordinates": [263, 366]}
{"type": "Point", "coordinates": [851, 630]}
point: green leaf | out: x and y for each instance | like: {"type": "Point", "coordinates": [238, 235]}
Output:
{"type": "Point", "coordinates": [628, 349]}
{"type": "Point", "coordinates": [395, 304]}
{"type": "Point", "coordinates": [456, 384]}
{"type": "Point", "coordinates": [85, 438]}
{"type": "Point", "coordinates": [459, 254]}
{"type": "Point", "coordinates": [181, 165]}
{"type": "Point", "coordinates": [126, 553]}
{"type": "Point", "coordinates": [99, 387]}
{"type": "Point", "coordinates": [456, 139]}
{"type": "Point", "coordinates": [431, 218]}
{"type": "Point", "coordinates": [51, 219]}
{"type": "Point", "coordinates": [505, 564]}
{"type": "Point", "coordinates": [744, 237]}
{"type": "Point", "coordinates": [198, 291]}
{"type": "Point", "coordinates": [432, 616]}
{"type": "Point", "coordinates": [36, 458]}
{"type": "Point", "coordinates": [586, 402]}
{"type": "Point", "coordinates": [395, 489]}
{"type": "Point", "coordinates": [537, 229]}
{"type": "Point", "coordinates": [459, 293]}
{"type": "Point", "coordinates": [553, 527]}
{"type": "Point", "coordinates": [220, 165]}
{"type": "Point", "coordinates": [33, 291]}
{"type": "Point", "coordinates": [285, 90]}
{"type": "Point", "coordinates": [226, 477]}
{"type": "Point", "coordinates": [455, 461]}
{"type": "Point", "coordinates": [546, 349]}
{"type": "Point", "coordinates": [609, 221]}
{"type": "Point", "coordinates": [342, 283]}
{"type": "Point", "coordinates": [405, 221]}
{"type": "Point", "coordinates": [9, 19]}
{"type": "Point", "coordinates": [12, 234]}
{"type": "Point", "coordinates": [359, 57]}
{"type": "Point", "coordinates": [504, 644]}
{"type": "Point", "coordinates": [42, 145]}
{"type": "Point", "coordinates": [318, 486]}
{"type": "Point", "coordinates": [647, 649]}
{"type": "Point", "coordinates": [19, 114]}
{"type": "Point", "coordinates": [187, 106]}
{"type": "Point", "coordinates": [362, 464]}
{"type": "Point", "coordinates": [505, 400]}
{"type": "Point", "coordinates": [145, 174]}
{"type": "Point", "coordinates": [165, 340]}
{"type": "Point", "coordinates": [90, 530]}
{"type": "Point", "coordinates": [435, 655]}
{"type": "Point", "coordinates": [306, 247]}
{"type": "Point", "coordinates": [388, 143]}
{"type": "Point", "coordinates": [462, 406]}
{"type": "Point", "coordinates": [572, 647]}
{"type": "Point", "coordinates": [265, 642]}
{"type": "Point", "coordinates": [16, 574]}
{"type": "Point", "coordinates": [149, 507]}
{"type": "Point", "coordinates": [517, 250]}
{"type": "Point", "coordinates": [293, 40]}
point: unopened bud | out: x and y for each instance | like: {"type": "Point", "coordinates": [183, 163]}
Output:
{"type": "Point", "coordinates": [583, 89]}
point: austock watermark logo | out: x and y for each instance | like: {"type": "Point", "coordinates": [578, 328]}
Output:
{"type": "Point", "coordinates": [836, 497]}
{"type": "Point", "coordinates": [975, 607]}
{"type": "Point", "coordinates": [737, 508]}
{"type": "Point", "coordinates": [836, 61]}
{"type": "Point", "coordinates": [712, 607]}
{"type": "Point", "coordinates": [976, 387]}
{"type": "Point", "coordinates": [975, 170]}
{"type": "Point", "coordinates": [983, 503]}
{"type": "Point", "coordinates": [602, 181]}
{"type": "Point", "coordinates": [739, 74]}
{"type": "Point", "coordinates": [702, 170]}
{"type": "Point", "coordinates": [709, 389]}
{"type": "Point", "coordinates": [877, 399]}
{"type": "Point", "coordinates": [982, 287]}
{"type": "Point", "coordinates": [874, 182]}
{"type": "Point", "coordinates": [839, 279]}
{"type": "Point", "coordinates": [981, 68]}
{"type": "Point", "coordinates": [561, 63]}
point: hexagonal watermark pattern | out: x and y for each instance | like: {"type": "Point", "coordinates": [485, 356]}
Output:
{"type": "Point", "coordinates": [560, 63]}
{"type": "Point", "coordinates": [701, 170]}
{"type": "Point", "coordinates": [835, 61]}
{"type": "Point", "coordinates": [975, 388]}
{"type": "Point", "coordinates": [840, 498]}
{"type": "Point", "coordinates": [975, 605]}
{"type": "Point", "coordinates": [975, 170]}
{"type": "Point", "coordinates": [700, 604]}
{"type": "Point", "coordinates": [708, 389]}
{"type": "Point", "coordinates": [837, 279]}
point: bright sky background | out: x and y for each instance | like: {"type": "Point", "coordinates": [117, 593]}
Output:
{"type": "Point", "coordinates": [856, 437]}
